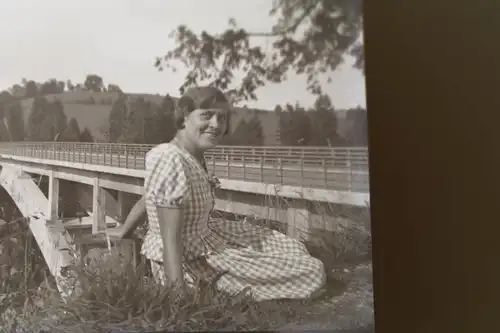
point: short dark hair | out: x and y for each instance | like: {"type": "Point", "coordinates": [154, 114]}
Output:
{"type": "Point", "coordinates": [199, 98]}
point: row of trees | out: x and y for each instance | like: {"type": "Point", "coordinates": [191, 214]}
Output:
{"type": "Point", "coordinates": [314, 127]}
{"type": "Point", "coordinates": [46, 122]}
{"type": "Point", "coordinates": [31, 88]}
{"type": "Point", "coordinates": [141, 121]}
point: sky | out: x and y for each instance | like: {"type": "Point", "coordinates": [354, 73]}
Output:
{"type": "Point", "coordinates": [119, 40]}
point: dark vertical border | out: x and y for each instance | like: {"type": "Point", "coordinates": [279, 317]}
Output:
{"type": "Point", "coordinates": [433, 96]}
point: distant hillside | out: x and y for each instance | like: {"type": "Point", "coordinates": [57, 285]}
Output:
{"type": "Point", "coordinates": [95, 116]}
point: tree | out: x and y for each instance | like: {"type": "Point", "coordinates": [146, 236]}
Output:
{"type": "Point", "coordinates": [4, 133]}
{"type": "Point", "coordinates": [116, 118]}
{"type": "Point", "coordinates": [52, 86]}
{"type": "Point", "coordinates": [31, 89]}
{"type": "Point", "coordinates": [295, 126]}
{"type": "Point", "coordinates": [162, 129]}
{"type": "Point", "coordinates": [86, 136]}
{"type": "Point", "coordinates": [5, 97]}
{"type": "Point", "coordinates": [357, 133]}
{"type": "Point", "coordinates": [94, 83]}
{"type": "Point", "coordinates": [310, 37]}
{"type": "Point", "coordinates": [17, 91]}
{"type": "Point", "coordinates": [324, 123]}
{"type": "Point", "coordinates": [60, 86]}
{"type": "Point", "coordinates": [134, 127]}
{"type": "Point", "coordinates": [14, 120]}
{"type": "Point", "coordinates": [37, 129]}
{"type": "Point", "coordinates": [148, 115]}
{"type": "Point", "coordinates": [70, 85]}
{"type": "Point", "coordinates": [72, 132]}
{"type": "Point", "coordinates": [247, 133]}
{"type": "Point", "coordinates": [59, 119]}
{"type": "Point", "coordinates": [114, 88]}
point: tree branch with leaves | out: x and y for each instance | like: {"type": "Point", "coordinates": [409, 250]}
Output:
{"type": "Point", "coordinates": [311, 37]}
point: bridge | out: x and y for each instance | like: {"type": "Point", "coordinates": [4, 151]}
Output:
{"type": "Point", "coordinates": [299, 175]}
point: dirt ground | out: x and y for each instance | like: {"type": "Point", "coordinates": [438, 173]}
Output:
{"type": "Point", "coordinates": [349, 308]}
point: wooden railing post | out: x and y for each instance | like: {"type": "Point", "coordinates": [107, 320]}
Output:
{"type": "Point", "coordinates": [261, 169]}
{"type": "Point", "coordinates": [349, 176]}
{"type": "Point", "coordinates": [349, 171]}
{"type": "Point", "coordinates": [280, 166]}
{"type": "Point", "coordinates": [302, 172]}
{"type": "Point", "coordinates": [104, 153]}
{"type": "Point", "coordinates": [126, 157]}
{"type": "Point", "coordinates": [244, 168]}
{"type": "Point", "coordinates": [325, 173]}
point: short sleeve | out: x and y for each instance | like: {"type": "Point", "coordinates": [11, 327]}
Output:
{"type": "Point", "coordinates": [166, 183]}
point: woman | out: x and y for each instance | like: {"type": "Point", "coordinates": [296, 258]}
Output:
{"type": "Point", "coordinates": [182, 240]}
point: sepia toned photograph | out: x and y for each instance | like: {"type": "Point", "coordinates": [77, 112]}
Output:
{"type": "Point", "coordinates": [184, 166]}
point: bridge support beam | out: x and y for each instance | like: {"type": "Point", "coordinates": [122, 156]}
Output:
{"type": "Point", "coordinates": [53, 207]}
{"type": "Point", "coordinates": [51, 238]}
{"type": "Point", "coordinates": [125, 203]}
{"type": "Point", "coordinates": [98, 208]}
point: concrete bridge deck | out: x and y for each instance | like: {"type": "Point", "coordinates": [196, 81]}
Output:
{"type": "Point", "coordinates": [312, 171]}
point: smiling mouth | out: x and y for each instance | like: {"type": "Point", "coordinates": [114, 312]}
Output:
{"type": "Point", "coordinates": [212, 134]}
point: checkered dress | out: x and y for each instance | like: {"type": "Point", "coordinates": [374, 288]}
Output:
{"type": "Point", "coordinates": [235, 255]}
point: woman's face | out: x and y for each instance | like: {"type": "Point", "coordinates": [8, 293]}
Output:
{"type": "Point", "coordinates": [205, 128]}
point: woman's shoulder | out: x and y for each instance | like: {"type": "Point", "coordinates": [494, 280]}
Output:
{"type": "Point", "coordinates": [165, 152]}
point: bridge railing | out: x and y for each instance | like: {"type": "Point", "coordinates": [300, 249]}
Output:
{"type": "Point", "coordinates": [316, 167]}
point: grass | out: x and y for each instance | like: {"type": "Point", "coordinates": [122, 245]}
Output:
{"type": "Point", "coordinates": [115, 296]}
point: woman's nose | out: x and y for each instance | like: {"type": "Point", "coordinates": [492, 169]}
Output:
{"type": "Point", "coordinates": [214, 122]}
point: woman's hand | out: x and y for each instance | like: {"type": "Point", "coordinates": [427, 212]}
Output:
{"type": "Point", "coordinates": [116, 233]}
{"type": "Point", "coordinates": [214, 181]}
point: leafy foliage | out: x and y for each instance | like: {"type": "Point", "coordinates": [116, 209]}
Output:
{"type": "Point", "coordinates": [59, 119]}
{"type": "Point", "coordinates": [114, 88]}
{"type": "Point", "coordinates": [37, 119]}
{"type": "Point", "coordinates": [145, 122]}
{"type": "Point", "coordinates": [72, 132]}
{"type": "Point", "coordinates": [13, 124]}
{"type": "Point", "coordinates": [134, 127]}
{"type": "Point", "coordinates": [116, 118]}
{"type": "Point", "coordinates": [247, 132]}
{"type": "Point", "coordinates": [52, 86]}
{"type": "Point", "coordinates": [295, 126]}
{"type": "Point", "coordinates": [309, 37]}
{"type": "Point", "coordinates": [324, 122]}
{"type": "Point", "coordinates": [94, 83]}
{"type": "Point", "coordinates": [314, 127]}
{"type": "Point", "coordinates": [358, 132]}
{"type": "Point", "coordinates": [86, 136]}
{"type": "Point", "coordinates": [163, 128]}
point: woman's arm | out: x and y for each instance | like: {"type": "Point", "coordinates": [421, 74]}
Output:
{"type": "Point", "coordinates": [171, 220]}
{"type": "Point", "coordinates": [136, 215]}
